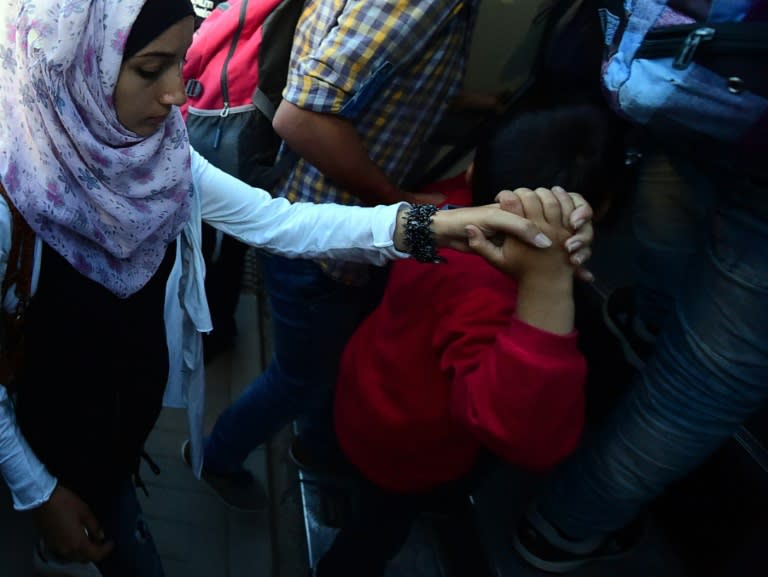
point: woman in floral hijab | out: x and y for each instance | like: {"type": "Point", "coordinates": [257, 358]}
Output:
{"type": "Point", "coordinates": [106, 199]}
{"type": "Point", "coordinates": [114, 199]}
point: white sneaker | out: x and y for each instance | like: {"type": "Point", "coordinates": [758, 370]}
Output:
{"type": "Point", "coordinates": [47, 565]}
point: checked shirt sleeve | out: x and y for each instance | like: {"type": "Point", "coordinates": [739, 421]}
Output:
{"type": "Point", "coordinates": [367, 38]}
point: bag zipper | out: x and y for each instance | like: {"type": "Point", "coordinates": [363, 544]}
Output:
{"type": "Point", "coordinates": [690, 45]}
{"type": "Point", "coordinates": [225, 69]}
{"type": "Point", "coordinates": [683, 42]}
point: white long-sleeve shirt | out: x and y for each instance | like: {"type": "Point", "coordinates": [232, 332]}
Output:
{"type": "Point", "coordinates": [254, 217]}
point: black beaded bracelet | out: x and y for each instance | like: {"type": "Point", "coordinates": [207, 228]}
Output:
{"type": "Point", "coordinates": [418, 234]}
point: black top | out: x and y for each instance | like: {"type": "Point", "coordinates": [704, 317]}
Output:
{"type": "Point", "coordinates": [94, 374]}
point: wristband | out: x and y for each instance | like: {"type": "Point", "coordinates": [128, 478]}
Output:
{"type": "Point", "coordinates": [418, 233]}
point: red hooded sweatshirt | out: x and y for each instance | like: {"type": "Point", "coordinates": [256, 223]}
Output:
{"type": "Point", "coordinates": [442, 368]}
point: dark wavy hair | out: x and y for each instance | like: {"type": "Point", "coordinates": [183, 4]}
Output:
{"type": "Point", "coordinates": [557, 147]}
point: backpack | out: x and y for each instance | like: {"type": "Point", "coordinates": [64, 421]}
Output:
{"type": "Point", "coordinates": [235, 72]}
{"type": "Point", "coordinates": [203, 9]}
{"type": "Point", "coordinates": [18, 273]}
{"type": "Point", "coordinates": [696, 81]}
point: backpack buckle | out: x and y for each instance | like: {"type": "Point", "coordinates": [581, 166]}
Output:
{"type": "Point", "coordinates": [193, 88]}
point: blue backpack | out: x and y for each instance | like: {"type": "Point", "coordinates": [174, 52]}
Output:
{"type": "Point", "coordinates": [697, 80]}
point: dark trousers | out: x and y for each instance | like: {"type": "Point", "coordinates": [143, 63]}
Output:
{"type": "Point", "coordinates": [380, 523]}
{"type": "Point", "coordinates": [313, 317]}
{"type": "Point", "coordinates": [121, 517]}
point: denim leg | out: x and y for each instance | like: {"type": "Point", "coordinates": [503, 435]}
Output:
{"type": "Point", "coordinates": [315, 426]}
{"type": "Point", "coordinates": [671, 208]}
{"type": "Point", "coordinates": [134, 554]}
{"type": "Point", "coordinates": [709, 372]}
{"type": "Point", "coordinates": [313, 316]}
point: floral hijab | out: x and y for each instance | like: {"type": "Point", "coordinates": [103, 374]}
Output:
{"type": "Point", "coordinates": [109, 201]}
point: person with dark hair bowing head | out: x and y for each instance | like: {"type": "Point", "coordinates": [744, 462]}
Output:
{"type": "Point", "coordinates": [94, 158]}
{"type": "Point", "coordinates": [491, 364]}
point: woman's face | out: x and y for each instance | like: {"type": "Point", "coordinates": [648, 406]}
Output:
{"type": "Point", "coordinates": [150, 81]}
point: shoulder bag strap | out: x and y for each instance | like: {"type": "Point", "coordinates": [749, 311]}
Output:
{"type": "Point", "coordinates": [21, 260]}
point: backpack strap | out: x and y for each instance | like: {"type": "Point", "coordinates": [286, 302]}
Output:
{"type": "Point", "coordinates": [21, 260]}
{"type": "Point", "coordinates": [264, 104]}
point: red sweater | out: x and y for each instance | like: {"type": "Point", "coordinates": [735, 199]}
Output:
{"type": "Point", "coordinates": [442, 368]}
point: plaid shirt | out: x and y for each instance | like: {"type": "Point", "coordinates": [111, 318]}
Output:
{"type": "Point", "coordinates": [388, 66]}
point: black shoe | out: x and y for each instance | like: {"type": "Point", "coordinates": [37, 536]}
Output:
{"type": "Point", "coordinates": [543, 546]}
{"type": "Point", "coordinates": [637, 341]}
{"type": "Point", "coordinates": [240, 490]}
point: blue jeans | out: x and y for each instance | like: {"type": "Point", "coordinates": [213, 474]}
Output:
{"type": "Point", "coordinates": [710, 368]}
{"type": "Point", "coordinates": [313, 317]}
{"type": "Point", "coordinates": [671, 210]}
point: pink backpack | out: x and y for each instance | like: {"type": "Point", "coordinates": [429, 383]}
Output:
{"type": "Point", "coordinates": [235, 72]}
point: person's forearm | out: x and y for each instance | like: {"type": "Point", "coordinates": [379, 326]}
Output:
{"type": "Point", "coordinates": [333, 145]}
{"type": "Point", "coordinates": [29, 481]}
{"type": "Point", "coordinates": [547, 302]}
{"type": "Point", "coordinates": [449, 227]}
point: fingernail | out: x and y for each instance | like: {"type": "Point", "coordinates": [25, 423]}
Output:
{"type": "Point", "coordinates": [573, 246]}
{"type": "Point", "coordinates": [542, 240]}
{"type": "Point", "coordinates": [469, 232]}
{"type": "Point", "coordinates": [579, 223]}
{"type": "Point", "coordinates": [577, 260]}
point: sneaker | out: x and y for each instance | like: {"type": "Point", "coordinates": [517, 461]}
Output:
{"type": "Point", "coordinates": [47, 565]}
{"type": "Point", "coordinates": [543, 546]}
{"type": "Point", "coordinates": [636, 339]}
{"type": "Point", "coordinates": [240, 490]}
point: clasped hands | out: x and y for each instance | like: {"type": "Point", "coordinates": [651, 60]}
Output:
{"type": "Point", "coordinates": [488, 229]}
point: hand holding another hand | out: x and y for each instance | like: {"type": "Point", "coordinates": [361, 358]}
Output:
{"type": "Point", "coordinates": [579, 243]}
{"type": "Point", "coordinates": [544, 275]}
{"type": "Point", "coordinates": [507, 218]}
{"type": "Point", "coordinates": [550, 211]}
